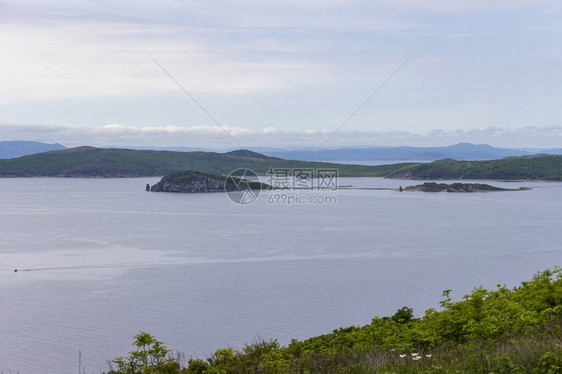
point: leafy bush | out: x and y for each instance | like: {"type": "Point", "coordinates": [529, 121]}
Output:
{"type": "Point", "coordinates": [151, 356]}
{"type": "Point", "coordinates": [504, 330]}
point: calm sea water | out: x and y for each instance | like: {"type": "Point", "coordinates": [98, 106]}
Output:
{"type": "Point", "coordinates": [100, 259]}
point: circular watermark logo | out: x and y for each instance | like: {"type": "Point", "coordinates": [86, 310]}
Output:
{"type": "Point", "coordinates": [242, 186]}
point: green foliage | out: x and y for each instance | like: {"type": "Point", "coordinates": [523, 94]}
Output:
{"type": "Point", "coordinates": [110, 162]}
{"type": "Point", "coordinates": [513, 168]}
{"type": "Point", "coordinates": [506, 330]}
{"type": "Point", "coordinates": [455, 187]}
{"type": "Point", "coordinates": [550, 363]}
{"type": "Point", "coordinates": [150, 357]}
{"type": "Point", "coordinates": [403, 315]}
{"type": "Point", "coordinates": [189, 176]}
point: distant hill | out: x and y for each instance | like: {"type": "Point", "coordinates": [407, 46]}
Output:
{"type": "Point", "coordinates": [461, 151]}
{"type": "Point", "coordinates": [18, 148]}
{"type": "Point", "coordinates": [540, 167]}
{"type": "Point", "coordinates": [162, 148]}
{"type": "Point", "coordinates": [110, 162]}
{"type": "Point", "coordinates": [244, 153]}
{"type": "Point", "coordinates": [548, 151]}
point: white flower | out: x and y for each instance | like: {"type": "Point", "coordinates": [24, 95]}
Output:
{"type": "Point", "coordinates": [402, 356]}
{"type": "Point", "coordinates": [415, 354]}
{"type": "Point", "coordinates": [427, 355]}
{"type": "Point", "coordinates": [416, 358]}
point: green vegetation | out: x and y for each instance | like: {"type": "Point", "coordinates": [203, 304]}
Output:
{"type": "Point", "coordinates": [506, 330]}
{"type": "Point", "coordinates": [458, 187]}
{"type": "Point", "coordinates": [110, 162]}
{"type": "Point", "coordinates": [195, 181]}
{"type": "Point", "coordinates": [102, 162]}
{"type": "Point", "coordinates": [513, 168]}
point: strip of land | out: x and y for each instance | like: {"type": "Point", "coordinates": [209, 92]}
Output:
{"type": "Point", "coordinates": [90, 162]}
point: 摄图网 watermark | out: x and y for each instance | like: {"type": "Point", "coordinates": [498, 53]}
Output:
{"type": "Point", "coordinates": [288, 186]}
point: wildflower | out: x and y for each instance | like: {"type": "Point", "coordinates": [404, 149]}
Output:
{"type": "Point", "coordinates": [416, 358]}
{"type": "Point", "coordinates": [428, 355]}
{"type": "Point", "coordinates": [415, 354]}
{"type": "Point", "coordinates": [402, 356]}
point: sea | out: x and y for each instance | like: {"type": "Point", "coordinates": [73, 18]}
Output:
{"type": "Point", "coordinates": [85, 264]}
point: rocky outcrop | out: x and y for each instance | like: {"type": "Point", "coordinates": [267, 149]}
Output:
{"type": "Point", "coordinates": [193, 181]}
{"type": "Point", "coordinates": [454, 187]}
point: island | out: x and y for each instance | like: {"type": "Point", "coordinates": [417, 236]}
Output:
{"type": "Point", "coordinates": [195, 181]}
{"type": "Point", "coordinates": [458, 187]}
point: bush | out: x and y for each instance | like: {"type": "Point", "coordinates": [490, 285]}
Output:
{"type": "Point", "coordinates": [151, 356]}
{"type": "Point", "coordinates": [502, 331]}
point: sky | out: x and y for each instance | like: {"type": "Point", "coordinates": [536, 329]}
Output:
{"type": "Point", "coordinates": [284, 74]}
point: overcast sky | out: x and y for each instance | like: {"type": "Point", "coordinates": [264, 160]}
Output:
{"type": "Point", "coordinates": [281, 73]}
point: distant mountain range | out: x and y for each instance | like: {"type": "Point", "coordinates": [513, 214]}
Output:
{"type": "Point", "coordinates": [461, 151]}
{"type": "Point", "coordinates": [18, 148]}
{"type": "Point", "coordinates": [110, 162]}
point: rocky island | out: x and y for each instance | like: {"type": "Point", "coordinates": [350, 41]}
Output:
{"type": "Point", "coordinates": [458, 187]}
{"type": "Point", "coordinates": [195, 181]}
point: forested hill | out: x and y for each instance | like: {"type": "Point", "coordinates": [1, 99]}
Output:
{"type": "Point", "coordinates": [541, 167]}
{"type": "Point", "coordinates": [111, 162]}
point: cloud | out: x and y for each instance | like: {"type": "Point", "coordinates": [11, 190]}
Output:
{"type": "Point", "coordinates": [88, 49]}
{"type": "Point", "coordinates": [290, 63]}
{"type": "Point", "coordinates": [462, 6]}
{"type": "Point", "coordinates": [214, 136]}
{"type": "Point", "coordinates": [73, 60]}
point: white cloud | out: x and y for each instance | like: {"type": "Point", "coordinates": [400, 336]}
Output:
{"type": "Point", "coordinates": [92, 49]}
{"type": "Point", "coordinates": [61, 59]}
{"type": "Point", "coordinates": [463, 6]}
{"type": "Point", "coordinates": [43, 61]}
{"type": "Point", "coordinates": [215, 137]}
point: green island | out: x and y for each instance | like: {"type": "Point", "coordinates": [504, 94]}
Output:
{"type": "Point", "coordinates": [195, 181]}
{"type": "Point", "coordinates": [459, 187]}
{"type": "Point", "coordinates": [504, 330]}
{"type": "Point", "coordinates": [90, 162]}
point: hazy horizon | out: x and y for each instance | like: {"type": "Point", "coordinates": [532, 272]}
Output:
{"type": "Point", "coordinates": [282, 73]}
